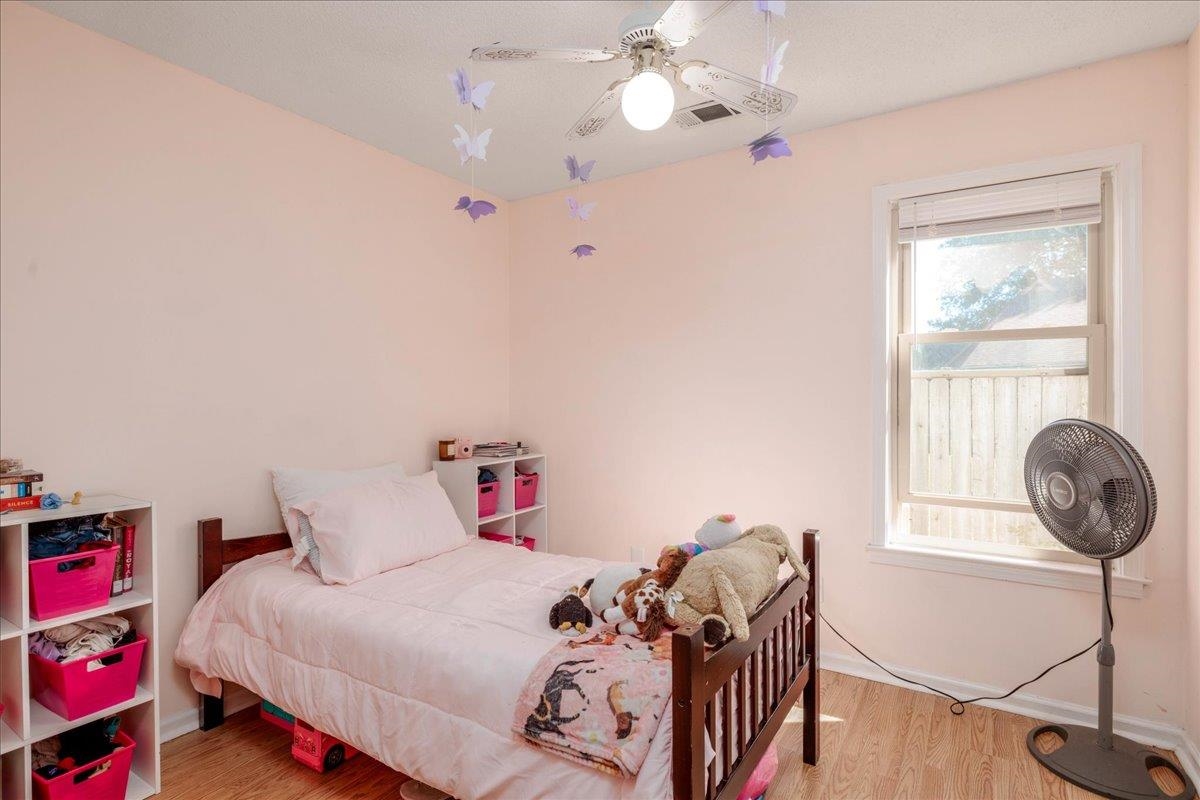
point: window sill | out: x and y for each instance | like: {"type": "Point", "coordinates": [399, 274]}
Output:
{"type": "Point", "coordinates": [1002, 568]}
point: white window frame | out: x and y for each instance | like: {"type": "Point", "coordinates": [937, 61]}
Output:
{"type": "Point", "coordinates": [1122, 168]}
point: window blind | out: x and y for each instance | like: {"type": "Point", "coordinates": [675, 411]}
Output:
{"type": "Point", "coordinates": [1069, 199]}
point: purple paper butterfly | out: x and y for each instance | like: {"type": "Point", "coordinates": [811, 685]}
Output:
{"type": "Point", "coordinates": [776, 7]}
{"type": "Point", "coordinates": [476, 96]}
{"type": "Point", "coordinates": [769, 145]}
{"type": "Point", "coordinates": [581, 250]}
{"type": "Point", "coordinates": [576, 170]}
{"type": "Point", "coordinates": [475, 208]}
{"type": "Point", "coordinates": [577, 211]}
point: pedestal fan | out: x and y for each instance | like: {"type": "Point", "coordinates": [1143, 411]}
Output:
{"type": "Point", "coordinates": [1095, 495]}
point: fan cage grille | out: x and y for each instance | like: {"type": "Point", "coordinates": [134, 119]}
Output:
{"type": "Point", "coordinates": [1117, 502]}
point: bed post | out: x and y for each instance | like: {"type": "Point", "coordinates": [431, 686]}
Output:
{"type": "Point", "coordinates": [210, 540]}
{"type": "Point", "coordinates": [812, 632]}
{"type": "Point", "coordinates": [687, 723]}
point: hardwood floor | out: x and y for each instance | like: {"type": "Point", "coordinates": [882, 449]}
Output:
{"type": "Point", "coordinates": [877, 741]}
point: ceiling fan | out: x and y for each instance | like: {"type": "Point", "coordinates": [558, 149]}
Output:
{"type": "Point", "coordinates": [646, 98]}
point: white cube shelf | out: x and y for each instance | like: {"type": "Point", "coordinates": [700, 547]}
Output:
{"type": "Point", "coordinates": [460, 480]}
{"type": "Point", "coordinates": [26, 721]}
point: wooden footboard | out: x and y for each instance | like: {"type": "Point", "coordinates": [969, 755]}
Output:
{"type": "Point", "coordinates": [739, 693]}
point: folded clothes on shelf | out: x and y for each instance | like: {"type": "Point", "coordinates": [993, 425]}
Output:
{"type": "Point", "coordinates": [82, 639]}
{"type": "Point", "coordinates": [70, 749]}
{"type": "Point", "coordinates": [65, 536]}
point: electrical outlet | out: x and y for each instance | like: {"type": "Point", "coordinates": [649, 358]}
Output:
{"type": "Point", "coordinates": [637, 555]}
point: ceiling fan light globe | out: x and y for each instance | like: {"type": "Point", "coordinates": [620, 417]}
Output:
{"type": "Point", "coordinates": [648, 101]}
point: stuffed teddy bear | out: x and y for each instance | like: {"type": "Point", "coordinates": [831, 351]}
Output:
{"type": "Point", "coordinates": [570, 616]}
{"type": "Point", "coordinates": [647, 602]}
{"type": "Point", "coordinates": [721, 588]}
{"type": "Point", "coordinates": [718, 531]}
{"type": "Point", "coordinates": [601, 589]}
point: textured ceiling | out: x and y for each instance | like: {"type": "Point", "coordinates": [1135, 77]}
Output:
{"type": "Point", "coordinates": [377, 70]}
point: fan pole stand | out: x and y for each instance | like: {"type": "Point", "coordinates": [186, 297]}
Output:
{"type": "Point", "coordinates": [1111, 766]}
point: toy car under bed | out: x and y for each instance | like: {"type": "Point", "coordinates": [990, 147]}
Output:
{"type": "Point", "coordinates": [310, 747]}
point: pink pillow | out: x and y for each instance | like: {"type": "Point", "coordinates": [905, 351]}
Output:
{"type": "Point", "coordinates": [385, 524]}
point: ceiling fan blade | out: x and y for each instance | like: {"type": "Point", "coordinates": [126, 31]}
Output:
{"type": "Point", "coordinates": [683, 19]}
{"type": "Point", "coordinates": [504, 52]}
{"type": "Point", "coordinates": [743, 93]}
{"type": "Point", "coordinates": [596, 117]}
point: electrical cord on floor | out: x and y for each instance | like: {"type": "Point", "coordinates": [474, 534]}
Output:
{"type": "Point", "coordinates": [959, 706]}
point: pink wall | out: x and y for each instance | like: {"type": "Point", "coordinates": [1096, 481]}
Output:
{"type": "Point", "coordinates": [1193, 337]}
{"type": "Point", "coordinates": [715, 355]}
{"type": "Point", "coordinates": [196, 286]}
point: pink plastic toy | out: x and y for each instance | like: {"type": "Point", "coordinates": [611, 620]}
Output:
{"type": "Point", "coordinates": [762, 776]}
{"type": "Point", "coordinates": [317, 750]}
{"type": "Point", "coordinates": [310, 747]}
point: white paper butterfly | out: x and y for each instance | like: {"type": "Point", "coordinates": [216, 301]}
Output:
{"type": "Point", "coordinates": [771, 70]}
{"type": "Point", "coordinates": [577, 211]}
{"type": "Point", "coordinates": [469, 148]}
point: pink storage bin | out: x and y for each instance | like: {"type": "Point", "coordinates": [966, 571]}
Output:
{"type": "Point", "coordinates": [77, 688]}
{"type": "Point", "coordinates": [55, 593]}
{"type": "Point", "coordinates": [526, 490]}
{"type": "Point", "coordinates": [87, 781]}
{"type": "Point", "coordinates": [528, 542]}
{"type": "Point", "coordinates": [489, 498]}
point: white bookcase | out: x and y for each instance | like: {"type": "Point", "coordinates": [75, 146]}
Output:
{"type": "Point", "coordinates": [460, 480]}
{"type": "Point", "coordinates": [26, 721]}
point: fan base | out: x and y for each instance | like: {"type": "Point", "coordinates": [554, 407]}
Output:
{"type": "Point", "coordinates": [1122, 773]}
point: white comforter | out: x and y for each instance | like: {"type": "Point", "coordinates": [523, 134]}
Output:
{"type": "Point", "coordinates": [419, 667]}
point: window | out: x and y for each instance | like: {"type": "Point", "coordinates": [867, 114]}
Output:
{"type": "Point", "coordinates": [999, 295]}
{"type": "Point", "coordinates": [1001, 332]}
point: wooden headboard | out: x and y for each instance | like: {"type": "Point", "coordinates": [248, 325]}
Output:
{"type": "Point", "coordinates": [216, 553]}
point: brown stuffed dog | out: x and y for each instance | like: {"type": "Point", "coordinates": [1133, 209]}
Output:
{"type": "Point", "coordinates": [643, 602]}
{"type": "Point", "coordinates": [722, 588]}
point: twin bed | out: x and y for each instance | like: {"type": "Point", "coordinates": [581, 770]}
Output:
{"type": "Point", "coordinates": [420, 667]}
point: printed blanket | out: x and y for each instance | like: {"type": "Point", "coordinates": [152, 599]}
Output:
{"type": "Point", "coordinates": [597, 701]}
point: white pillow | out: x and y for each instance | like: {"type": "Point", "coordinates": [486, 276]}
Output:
{"type": "Point", "coordinates": [294, 486]}
{"type": "Point", "coordinates": [375, 527]}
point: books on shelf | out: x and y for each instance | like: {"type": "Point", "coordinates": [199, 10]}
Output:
{"type": "Point", "coordinates": [500, 450]}
{"type": "Point", "coordinates": [118, 580]}
{"type": "Point", "coordinates": [21, 490]}
{"type": "Point", "coordinates": [124, 535]}
{"type": "Point", "coordinates": [127, 549]}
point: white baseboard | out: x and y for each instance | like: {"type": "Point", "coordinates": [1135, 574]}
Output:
{"type": "Point", "coordinates": [1044, 708]}
{"type": "Point", "coordinates": [188, 720]}
{"type": "Point", "coordinates": [1188, 754]}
